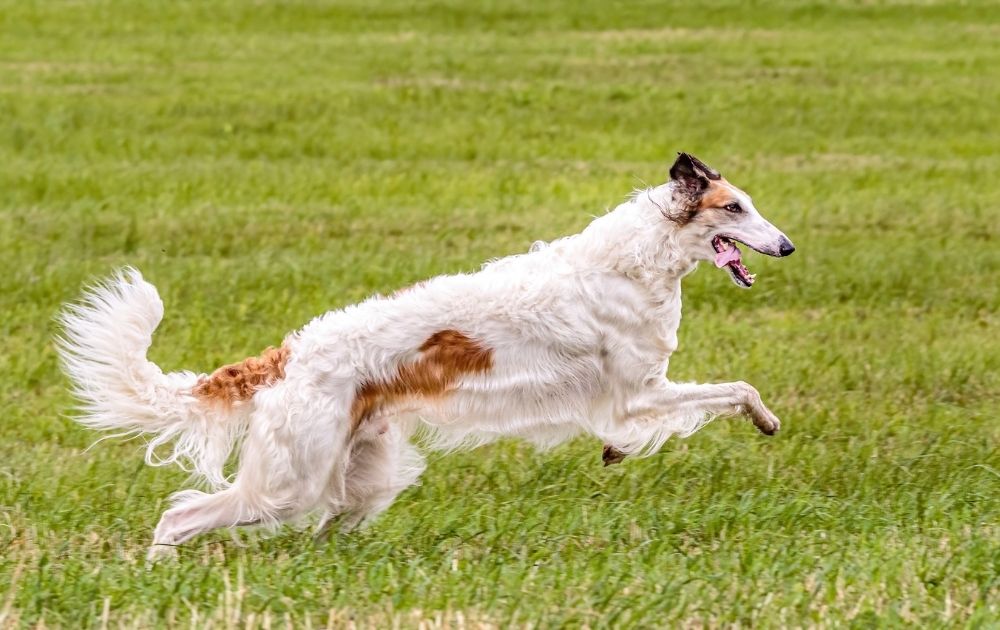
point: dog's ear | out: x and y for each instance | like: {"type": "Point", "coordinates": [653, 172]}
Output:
{"type": "Point", "coordinates": [691, 173]}
{"type": "Point", "coordinates": [693, 177]}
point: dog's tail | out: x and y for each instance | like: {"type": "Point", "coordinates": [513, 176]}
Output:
{"type": "Point", "coordinates": [103, 351]}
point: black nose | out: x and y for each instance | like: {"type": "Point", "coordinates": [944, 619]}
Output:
{"type": "Point", "coordinates": [785, 247]}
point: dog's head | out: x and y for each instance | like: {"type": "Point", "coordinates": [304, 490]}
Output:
{"type": "Point", "coordinates": [712, 216]}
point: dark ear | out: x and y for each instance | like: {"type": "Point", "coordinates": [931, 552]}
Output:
{"type": "Point", "coordinates": [693, 174]}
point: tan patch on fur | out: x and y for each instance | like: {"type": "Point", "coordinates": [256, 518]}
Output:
{"type": "Point", "coordinates": [718, 194]}
{"type": "Point", "coordinates": [445, 357]}
{"type": "Point", "coordinates": [239, 381]}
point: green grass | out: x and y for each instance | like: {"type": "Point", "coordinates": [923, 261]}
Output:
{"type": "Point", "coordinates": [265, 162]}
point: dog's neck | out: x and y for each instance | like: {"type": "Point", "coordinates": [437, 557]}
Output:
{"type": "Point", "coordinates": [638, 241]}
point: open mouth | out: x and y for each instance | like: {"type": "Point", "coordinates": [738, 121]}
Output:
{"type": "Point", "coordinates": [728, 255]}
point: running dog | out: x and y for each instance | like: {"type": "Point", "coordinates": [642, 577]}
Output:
{"type": "Point", "coordinates": [572, 337]}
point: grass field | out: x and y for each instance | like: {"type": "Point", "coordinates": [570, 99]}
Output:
{"type": "Point", "coordinates": [264, 162]}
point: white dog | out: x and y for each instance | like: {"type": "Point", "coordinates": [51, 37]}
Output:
{"type": "Point", "coordinates": [573, 337]}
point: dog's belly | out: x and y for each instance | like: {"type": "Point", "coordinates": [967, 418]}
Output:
{"type": "Point", "coordinates": [544, 407]}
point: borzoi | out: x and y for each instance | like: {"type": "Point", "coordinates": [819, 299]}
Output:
{"type": "Point", "coordinates": [572, 337]}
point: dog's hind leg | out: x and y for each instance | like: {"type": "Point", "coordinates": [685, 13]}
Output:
{"type": "Point", "coordinates": [380, 468]}
{"type": "Point", "coordinates": [380, 479]}
{"type": "Point", "coordinates": [291, 450]}
{"type": "Point", "coordinates": [197, 512]}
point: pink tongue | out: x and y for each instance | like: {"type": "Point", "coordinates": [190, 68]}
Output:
{"type": "Point", "coordinates": [727, 256]}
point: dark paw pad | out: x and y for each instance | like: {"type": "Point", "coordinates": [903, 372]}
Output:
{"type": "Point", "coordinates": [612, 455]}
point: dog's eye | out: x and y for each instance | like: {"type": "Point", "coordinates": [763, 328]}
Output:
{"type": "Point", "coordinates": [733, 207]}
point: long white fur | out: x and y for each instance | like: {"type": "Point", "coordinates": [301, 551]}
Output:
{"type": "Point", "coordinates": [103, 350]}
{"type": "Point", "coordinates": [581, 332]}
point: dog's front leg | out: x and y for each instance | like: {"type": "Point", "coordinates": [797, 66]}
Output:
{"type": "Point", "coordinates": [664, 401]}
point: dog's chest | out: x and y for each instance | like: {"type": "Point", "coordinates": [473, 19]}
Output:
{"type": "Point", "coordinates": [660, 311]}
{"type": "Point", "coordinates": [665, 320]}
{"type": "Point", "coordinates": [642, 317]}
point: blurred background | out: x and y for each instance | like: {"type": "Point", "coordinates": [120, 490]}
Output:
{"type": "Point", "coordinates": [262, 162]}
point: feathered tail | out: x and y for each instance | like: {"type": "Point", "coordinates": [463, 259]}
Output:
{"type": "Point", "coordinates": [103, 350]}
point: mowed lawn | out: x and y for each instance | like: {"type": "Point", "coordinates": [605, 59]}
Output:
{"type": "Point", "coordinates": [262, 162]}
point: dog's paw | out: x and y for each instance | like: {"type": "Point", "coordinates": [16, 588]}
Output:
{"type": "Point", "coordinates": [160, 553]}
{"type": "Point", "coordinates": [762, 418]}
{"type": "Point", "coordinates": [611, 455]}
{"type": "Point", "coordinates": [766, 422]}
